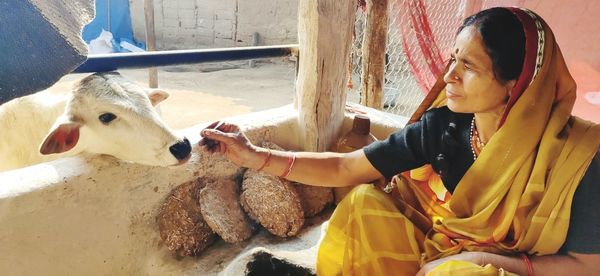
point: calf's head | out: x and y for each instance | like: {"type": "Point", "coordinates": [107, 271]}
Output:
{"type": "Point", "coordinates": [107, 114]}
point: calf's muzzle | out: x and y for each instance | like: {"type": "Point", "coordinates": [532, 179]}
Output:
{"type": "Point", "coordinates": [181, 150]}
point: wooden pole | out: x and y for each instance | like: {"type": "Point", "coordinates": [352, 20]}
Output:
{"type": "Point", "coordinates": [150, 40]}
{"type": "Point", "coordinates": [373, 48]}
{"type": "Point", "coordinates": [255, 38]}
{"type": "Point", "coordinates": [325, 39]}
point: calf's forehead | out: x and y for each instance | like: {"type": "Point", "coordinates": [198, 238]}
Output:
{"type": "Point", "coordinates": [111, 88]}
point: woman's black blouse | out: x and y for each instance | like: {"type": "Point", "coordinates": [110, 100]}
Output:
{"type": "Point", "coordinates": [442, 138]}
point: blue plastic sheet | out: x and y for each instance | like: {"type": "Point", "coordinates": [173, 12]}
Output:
{"type": "Point", "coordinates": [112, 16]}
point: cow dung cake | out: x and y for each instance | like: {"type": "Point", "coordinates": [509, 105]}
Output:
{"type": "Point", "coordinates": [220, 207]}
{"type": "Point", "coordinates": [313, 199]}
{"type": "Point", "coordinates": [272, 202]}
{"type": "Point", "coordinates": [180, 222]}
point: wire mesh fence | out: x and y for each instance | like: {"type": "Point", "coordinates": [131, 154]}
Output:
{"type": "Point", "coordinates": [414, 27]}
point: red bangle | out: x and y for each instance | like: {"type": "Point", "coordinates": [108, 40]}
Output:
{"type": "Point", "coordinates": [266, 160]}
{"type": "Point", "coordinates": [528, 263]}
{"type": "Point", "coordinates": [288, 170]}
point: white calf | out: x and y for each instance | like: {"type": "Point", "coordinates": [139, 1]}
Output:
{"type": "Point", "coordinates": [104, 114]}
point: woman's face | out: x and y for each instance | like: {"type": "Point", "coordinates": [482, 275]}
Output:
{"type": "Point", "coordinates": [471, 86]}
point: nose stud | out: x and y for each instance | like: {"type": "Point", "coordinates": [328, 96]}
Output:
{"type": "Point", "coordinates": [456, 77]}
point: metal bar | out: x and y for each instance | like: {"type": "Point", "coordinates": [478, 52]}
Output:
{"type": "Point", "coordinates": [111, 62]}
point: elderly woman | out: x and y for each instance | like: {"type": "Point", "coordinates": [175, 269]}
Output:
{"type": "Point", "coordinates": [520, 173]}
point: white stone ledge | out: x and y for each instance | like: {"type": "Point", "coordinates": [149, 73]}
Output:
{"type": "Point", "coordinates": [96, 215]}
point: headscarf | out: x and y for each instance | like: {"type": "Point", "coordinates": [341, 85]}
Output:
{"type": "Point", "coordinates": [517, 195]}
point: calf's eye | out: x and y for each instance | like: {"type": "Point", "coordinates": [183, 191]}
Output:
{"type": "Point", "coordinates": [106, 118]}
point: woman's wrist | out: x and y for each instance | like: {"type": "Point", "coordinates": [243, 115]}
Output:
{"type": "Point", "coordinates": [514, 263]}
{"type": "Point", "coordinates": [258, 158]}
{"type": "Point", "coordinates": [528, 264]}
{"type": "Point", "coordinates": [290, 164]}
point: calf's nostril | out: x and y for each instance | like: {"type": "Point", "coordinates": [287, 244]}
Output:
{"type": "Point", "coordinates": [181, 149]}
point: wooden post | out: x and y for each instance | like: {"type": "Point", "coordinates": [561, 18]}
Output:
{"type": "Point", "coordinates": [373, 48]}
{"type": "Point", "coordinates": [255, 38]}
{"type": "Point", "coordinates": [150, 40]}
{"type": "Point", "coordinates": [325, 39]}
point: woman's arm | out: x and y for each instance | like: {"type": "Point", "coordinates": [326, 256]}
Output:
{"type": "Point", "coordinates": [319, 169]}
{"type": "Point", "coordinates": [569, 264]}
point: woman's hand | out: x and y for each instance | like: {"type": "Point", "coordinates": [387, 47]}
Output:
{"type": "Point", "coordinates": [229, 140]}
{"type": "Point", "coordinates": [477, 258]}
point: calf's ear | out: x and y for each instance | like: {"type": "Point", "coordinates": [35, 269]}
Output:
{"type": "Point", "coordinates": [156, 96]}
{"type": "Point", "coordinates": [63, 136]}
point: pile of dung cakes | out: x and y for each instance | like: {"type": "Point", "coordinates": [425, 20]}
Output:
{"type": "Point", "coordinates": [197, 213]}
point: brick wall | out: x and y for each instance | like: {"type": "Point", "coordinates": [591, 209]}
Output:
{"type": "Point", "coordinates": [187, 24]}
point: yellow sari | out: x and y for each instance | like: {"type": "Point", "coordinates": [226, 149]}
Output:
{"type": "Point", "coordinates": [516, 197]}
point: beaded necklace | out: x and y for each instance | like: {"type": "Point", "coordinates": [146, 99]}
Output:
{"type": "Point", "coordinates": [476, 143]}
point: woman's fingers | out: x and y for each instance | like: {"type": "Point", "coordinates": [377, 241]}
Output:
{"type": "Point", "coordinates": [217, 136]}
{"type": "Point", "coordinates": [226, 139]}
{"type": "Point", "coordinates": [223, 126]}
{"type": "Point", "coordinates": [219, 128]}
{"type": "Point", "coordinates": [213, 125]}
{"type": "Point", "coordinates": [210, 140]}
{"type": "Point", "coordinates": [222, 148]}
{"type": "Point", "coordinates": [231, 128]}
